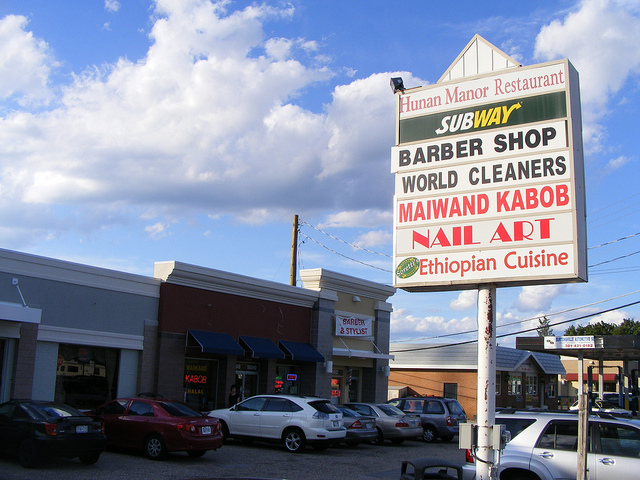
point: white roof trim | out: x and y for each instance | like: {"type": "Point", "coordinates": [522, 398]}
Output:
{"type": "Point", "coordinates": [178, 273]}
{"type": "Point", "coordinates": [346, 352]}
{"type": "Point", "coordinates": [18, 264]}
{"type": "Point", "coordinates": [76, 336]}
{"type": "Point", "coordinates": [14, 312]}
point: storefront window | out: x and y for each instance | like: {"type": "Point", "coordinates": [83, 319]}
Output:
{"type": "Point", "coordinates": [287, 379]}
{"type": "Point", "coordinates": [353, 382]}
{"type": "Point", "coordinates": [86, 376]}
{"type": "Point", "coordinates": [451, 390]}
{"type": "Point", "coordinates": [336, 386]}
{"type": "Point", "coordinates": [515, 384]}
{"type": "Point", "coordinates": [552, 390]}
{"type": "Point", "coordinates": [532, 384]}
{"type": "Point", "coordinates": [200, 380]}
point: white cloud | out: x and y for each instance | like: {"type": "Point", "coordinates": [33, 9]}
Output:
{"type": "Point", "coordinates": [111, 5]}
{"type": "Point", "coordinates": [602, 40]}
{"type": "Point", "coordinates": [201, 120]}
{"type": "Point", "coordinates": [538, 297]}
{"type": "Point", "coordinates": [354, 123]}
{"type": "Point", "coordinates": [465, 300]}
{"type": "Point", "coordinates": [158, 230]}
{"type": "Point", "coordinates": [25, 64]}
{"type": "Point", "coordinates": [614, 317]}
{"type": "Point", "coordinates": [361, 218]}
{"type": "Point", "coordinates": [406, 326]}
{"type": "Point", "coordinates": [374, 238]}
{"type": "Point", "coordinates": [616, 163]}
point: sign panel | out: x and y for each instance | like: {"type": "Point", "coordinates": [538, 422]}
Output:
{"type": "Point", "coordinates": [353, 326]}
{"type": "Point", "coordinates": [570, 342]}
{"type": "Point", "coordinates": [489, 181]}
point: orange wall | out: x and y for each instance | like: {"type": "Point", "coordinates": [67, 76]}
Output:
{"type": "Point", "coordinates": [431, 382]}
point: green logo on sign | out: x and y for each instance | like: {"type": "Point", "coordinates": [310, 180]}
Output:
{"type": "Point", "coordinates": [407, 267]}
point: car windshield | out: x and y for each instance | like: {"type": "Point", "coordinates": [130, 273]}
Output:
{"type": "Point", "coordinates": [53, 410]}
{"type": "Point", "coordinates": [454, 408]}
{"type": "Point", "coordinates": [178, 409]}
{"type": "Point", "coordinates": [390, 410]}
{"type": "Point", "coordinates": [324, 406]}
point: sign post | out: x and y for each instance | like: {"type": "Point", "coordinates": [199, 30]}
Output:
{"type": "Point", "coordinates": [486, 416]}
{"type": "Point", "coordinates": [489, 190]}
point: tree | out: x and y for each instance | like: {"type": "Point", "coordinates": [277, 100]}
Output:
{"type": "Point", "coordinates": [627, 327]}
{"type": "Point", "coordinates": [544, 327]}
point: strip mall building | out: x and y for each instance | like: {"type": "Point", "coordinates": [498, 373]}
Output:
{"type": "Point", "coordinates": [83, 335]}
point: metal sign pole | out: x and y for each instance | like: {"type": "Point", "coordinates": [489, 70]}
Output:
{"type": "Point", "coordinates": [486, 398]}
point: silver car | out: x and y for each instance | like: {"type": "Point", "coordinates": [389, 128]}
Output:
{"type": "Point", "coordinates": [439, 416]}
{"type": "Point", "coordinates": [543, 446]}
{"type": "Point", "coordinates": [360, 429]}
{"type": "Point", "coordinates": [391, 423]}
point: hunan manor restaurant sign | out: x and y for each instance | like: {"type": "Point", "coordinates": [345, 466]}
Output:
{"type": "Point", "coordinates": [489, 181]}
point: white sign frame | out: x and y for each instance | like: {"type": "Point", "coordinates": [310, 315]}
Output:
{"type": "Point", "coordinates": [543, 156]}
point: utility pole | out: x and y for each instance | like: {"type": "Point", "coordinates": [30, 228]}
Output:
{"type": "Point", "coordinates": [294, 251]}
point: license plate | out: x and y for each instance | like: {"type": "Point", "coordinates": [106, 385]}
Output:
{"type": "Point", "coordinates": [206, 430]}
{"type": "Point", "coordinates": [82, 428]}
{"type": "Point", "coordinates": [336, 423]}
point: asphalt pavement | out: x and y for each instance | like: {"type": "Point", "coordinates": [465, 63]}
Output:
{"type": "Point", "coordinates": [240, 460]}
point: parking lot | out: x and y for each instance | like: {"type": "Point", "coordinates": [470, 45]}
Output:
{"type": "Point", "coordinates": [244, 460]}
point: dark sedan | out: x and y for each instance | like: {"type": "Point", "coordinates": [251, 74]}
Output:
{"type": "Point", "coordinates": [158, 426]}
{"type": "Point", "coordinates": [36, 430]}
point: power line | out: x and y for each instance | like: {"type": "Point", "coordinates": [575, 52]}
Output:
{"type": "Point", "coordinates": [523, 321]}
{"type": "Point", "coordinates": [615, 241]}
{"type": "Point", "coordinates": [345, 242]}
{"type": "Point", "coordinates": [342, 255]}
{"type": "Point", "coordinates": [614, 259]}
{"type": "Point", "coordinates": [429, 347]}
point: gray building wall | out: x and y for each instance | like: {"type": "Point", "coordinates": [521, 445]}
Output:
{"type": "Point", "coordinates": [77, 305]}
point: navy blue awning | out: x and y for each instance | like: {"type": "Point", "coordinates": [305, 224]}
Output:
{"type": "Point", "coordinates": [301, 351]}
{"type": "Point", "coordinates": [259, 347]}
{"type": "Point", "coordinates": [214, 342]}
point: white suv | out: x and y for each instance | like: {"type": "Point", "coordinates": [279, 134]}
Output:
{"type": "Point", "coordinates": [543, 446]}
{"type": "Point", "coordinates": [292, 420]}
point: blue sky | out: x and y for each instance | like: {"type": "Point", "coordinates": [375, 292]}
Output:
{"type": "Point", "coordinates": [138, 131]}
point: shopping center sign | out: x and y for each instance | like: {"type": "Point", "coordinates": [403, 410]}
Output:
{"type": "Point", "coordinates": [489, 181]}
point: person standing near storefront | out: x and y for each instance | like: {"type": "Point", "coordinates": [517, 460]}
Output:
{"type": "Point", "coordinates": [234, 396]}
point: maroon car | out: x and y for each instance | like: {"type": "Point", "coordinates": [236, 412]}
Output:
{"type": "Point", "coordinates": [158, 426]}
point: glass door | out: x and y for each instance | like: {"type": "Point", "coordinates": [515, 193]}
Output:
{"type": "Point", "coordinates": [247, 384]}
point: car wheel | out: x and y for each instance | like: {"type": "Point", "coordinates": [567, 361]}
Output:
{"type": "Point", "coordinates": [225, 430]}
{"type": "Point", "coordinates": [196, 453]}
{"type": "Point", "coordinates": [293, 440]}
{"type": "Point", "coordinates": [28, 454]}
{"type": "Point", "coordinates": [90, 459]}
{"type": "Point", "coordinates": [154, 447]}
{"type": "Point", "coordinates": [429, 434]}
{"type": "Point", "coordinates": [379, 440]}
